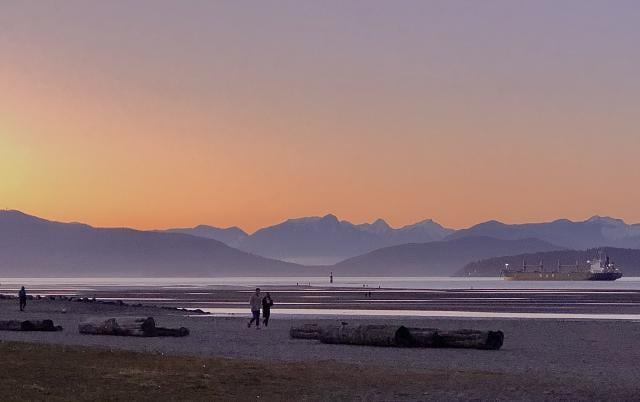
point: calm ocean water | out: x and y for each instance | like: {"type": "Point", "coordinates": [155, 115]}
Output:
{"type": "Point", "coordinates": [630, 283]}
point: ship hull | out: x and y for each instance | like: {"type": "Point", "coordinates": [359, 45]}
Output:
{"type": "Point", "coordinates": [561, 276]}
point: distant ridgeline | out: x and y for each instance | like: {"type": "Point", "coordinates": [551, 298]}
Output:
{"type": "Point", "coordinates": [626, 260]}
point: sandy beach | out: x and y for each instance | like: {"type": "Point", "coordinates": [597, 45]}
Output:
{"type": "Point", "coordinates": [549, 359]}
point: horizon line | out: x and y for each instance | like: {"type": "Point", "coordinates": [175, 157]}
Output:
{"type": "Point", "coordinates": [320, 217]}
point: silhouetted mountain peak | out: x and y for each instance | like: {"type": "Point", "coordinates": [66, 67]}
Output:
{"type": "Point", "coordinates": [308, 221]}
{"type": "Point", "coordinates": [209, 227]}
{"type": "Point", "coordinates": [425, 222]}
{"type": "Point", "coordinates": [231, 236]}
{"type": "Point", "coordinates": [201, 227]}
{"type": "Point", "coordinates": [18, 215]}
{"type": "Point", "coordinates": [379, 226]}
{"type": "Point", "coordinates": [606, 220]}
{"type": "Point", "coordinates": [14, 217]}
{"type": "Point", "coordinates": [492, 222]}
{"type": "Point", "coordinates": [330, 218]}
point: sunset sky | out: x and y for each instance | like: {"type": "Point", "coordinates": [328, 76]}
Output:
{"type": "Point", "coordinates": [154, 114]}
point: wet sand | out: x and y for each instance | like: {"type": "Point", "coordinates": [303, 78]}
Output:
{"type": "Point", "coordinates": [229, 298]}
{"type": "Point", "coordinates": [597, 356]}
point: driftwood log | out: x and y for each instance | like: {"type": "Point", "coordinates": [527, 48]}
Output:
{"type": "Point", "coordinates": [175, 332]}
{"type": "Point", "coordinates": [399, 336]}
{"type": "Point", "coordinates": [307, 331]}
{"type": "Point", "coordinates": [122, 326]}
{"type": "Point", "coordinates": [29, 325]}
{"type": "Point", "coordinates": [128, 326]}
{"type": "Point", "coordinates": [371, 335]}
{"type": "Point", "coordinates": [462, 338]}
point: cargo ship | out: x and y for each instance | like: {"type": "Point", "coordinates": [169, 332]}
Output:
{"type": "Point", "coordinates": [596, 270]}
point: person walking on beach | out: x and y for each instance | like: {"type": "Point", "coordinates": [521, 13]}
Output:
{"type": "Point", "coordinates": [22, 295]}
{"type": "Point", "coordinates": [267, 302]}
{"type": "Point", "coordinates": [255, 302]}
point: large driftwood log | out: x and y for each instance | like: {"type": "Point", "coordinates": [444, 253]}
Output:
{"type": "Point", "coordinates": [175, 332]}
{"type": "Point", "coordinates": [306, 331]}
{"type": "Point", "coordinates": [122, 326]}
{"type": "Point", "coordinates": [468, 338]}
{"type": "Point", "coordinates": [463, 338]}
{"type": "Point", "coordinates": [128, 326]}
{"type": "Point", "coordinates": [371, 335]}
{"type": "Point", "coordinates": [424, 337]}
{"type": "Point", "coordinates": [29, 325]}
{"type": "Point", "coordinates": [400, 336]}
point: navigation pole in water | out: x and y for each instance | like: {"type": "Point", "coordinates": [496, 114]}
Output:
{"type": "Point", "coordinates": [331, 277]}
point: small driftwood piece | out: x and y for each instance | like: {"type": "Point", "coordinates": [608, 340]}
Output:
{"type": "Point", "coordinates": [128, 326]}
{"type": "Point", "coordinates": [29, 325]}
{"type": "Point", "coordinates": [400, 336]}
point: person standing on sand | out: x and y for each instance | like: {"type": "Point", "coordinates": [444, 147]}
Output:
{"type": "Point", "coordinates": [22, 295]}
{"type": "Point", "coordinates": [267, 302]}
{"type": "Point", "coordinates": [255, 302]}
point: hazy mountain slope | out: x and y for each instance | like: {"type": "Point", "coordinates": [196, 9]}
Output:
{"type": "Point", "coordinates": [440, 258]}
{"type": "Point", "coordinates": [31, 246]}
{"type": "Point", "coordinates": [326, 240]}
{"type": "Point", "coordinates": [421, 232]}
{"type": "Point", "coordinates": [379, 227]}
{"type": "Point", "coordinates": [594, 232]}
{"type": "Point", "coordinates": [230, 236]}
{"type": "Point", "coordinates": [627, 260]}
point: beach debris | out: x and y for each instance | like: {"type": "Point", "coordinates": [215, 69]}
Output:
{"type": "Point", "coordinates": [306, 331]}
{"type": "Point", "coordinates": [461, 338]}
{"type": "Point", "coordinates": [128, 326]}
{"type": "Point", "coordinates": [29, 325]}
{"type": "Point", "coordinates": [175, 332]}
{"type": "Point", "coordinates": [371, 335]}
{"type": "Point", "coordinates": [399, 336]}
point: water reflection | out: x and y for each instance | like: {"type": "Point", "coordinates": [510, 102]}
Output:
{"type": "Point", "coordinates": [365, 283]}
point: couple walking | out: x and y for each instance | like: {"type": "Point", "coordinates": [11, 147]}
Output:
{"type": "Point", "coordinates": [256, 302]}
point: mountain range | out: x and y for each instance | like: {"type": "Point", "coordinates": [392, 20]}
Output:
{"type": "Point", "coordinates": [321, 240]}
{"type": "Point", "coordinates": [327, 240]}
{"type": "Point", "coordinates": [31, 246]}
{"type": "Point", "coordinates": [597, 231]}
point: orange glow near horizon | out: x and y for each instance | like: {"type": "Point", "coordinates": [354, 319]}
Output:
{"type": "Point", "coordinates": [160, 120]}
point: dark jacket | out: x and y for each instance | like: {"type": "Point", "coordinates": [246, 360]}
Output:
{"type": "Point", "coordinates": [266, 304]}
{"type": "Point", "coordinates": [22, 294]}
